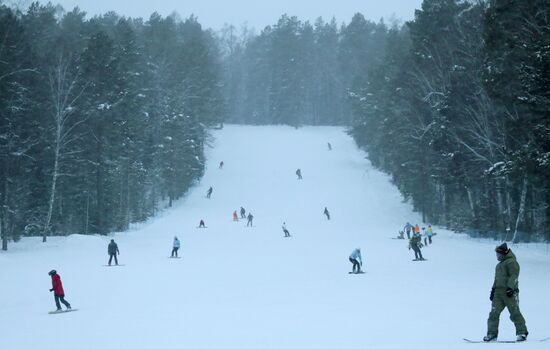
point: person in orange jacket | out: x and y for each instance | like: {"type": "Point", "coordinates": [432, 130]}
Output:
{"type": "Point", "coordinates": [417, 229]}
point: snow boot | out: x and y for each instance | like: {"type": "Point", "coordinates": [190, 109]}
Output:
{"type": "Point", "coordinates": [522, 337]}
{"type": "Point", "coordinates": [490, 338]}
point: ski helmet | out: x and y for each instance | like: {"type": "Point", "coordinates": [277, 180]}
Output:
{"type": "Point", "coordinates": [52, 272]}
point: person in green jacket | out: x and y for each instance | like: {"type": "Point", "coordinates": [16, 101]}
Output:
{"type": "Point", "coordinates": [416, 244]}
{"type": "Point", "coordinates": [504, 294]}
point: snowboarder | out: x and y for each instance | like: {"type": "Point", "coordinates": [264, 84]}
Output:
{"type": "Point", "coordinates": [201, 224]}
{"type": "Point", "coordinates": [221, 165]}
{"type": "Point", "coordinates": [175, 247]}
{"type": "Point", "coordinates": [504, 294]}
{"type": "Point", "coordinates": [243, 213]}
{"type": "Point", "coordinates": [250, 217]}
{"type": "Point", "coordinates": [112, 250]}
{"type": "Point", "coordinates": [58, 292]}
{"type": "Point", "coordinates": [235, 216]}
{"type": "Point", "coordinates": [326, 213]}
{"type": "Point", "coordinates": [299, 173]}
{"type": "Point", "coordinates": [429, 233]}
{"type": "Point", "coordinates": [407, 228]}
{"type": "Point", "coordinates": [416, 244]}
{"type": "Point", "coordinates": [401, 235]}
{"type": "Point", "coordinates": [209, 192]}
{"type": "Point", "coordinates": [285, 230]}
{"type": "Point", "coordinates": [355, 259]}
{"type": "Point", "coordinates": [329, 146]}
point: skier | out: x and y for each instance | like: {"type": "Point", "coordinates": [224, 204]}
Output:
{"type": "Point", "coordinates": [175, 247]}
{"type": "Point", "coordinates": [329, 146]}
{"type": "Point", "coordinates": [429, 233]}
{"type": "Point", "coordinates": [201, 224]}
{"type": "Point", "coordinates": [250, 217]}
{"type": "Point", "coordinates": [57, 289]}
{"type": "Point", "coordinates": [326, 213]}
{"type": "Point", "coordinates": [401, 235]}
{"type": "Point", "coordinates": [407, 228]}
{"type": "Point", "coordinates": [299, 173]}
{"type": "Point", "coordinates": [235, 216]}
{"type": "Point", "coordinates": [243, 213]}
{"type": "Point", "coordinates": [355, 259]}
{"type": "Point", "coordinates": [112, 250]}
{"type": "Point", "coordinates": [416, 244]}
{"type": "Point", "coordinates": [209, 192]}
{"type": "Point", "coordinates": [221, 165]}
{"type": "Point", "coordinates": [285, 230]}
{"type": "Point", "coordinates": [504, 294]}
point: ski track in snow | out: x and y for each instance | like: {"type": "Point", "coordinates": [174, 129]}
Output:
{"type": "Point", "coordinates": [238, 287]}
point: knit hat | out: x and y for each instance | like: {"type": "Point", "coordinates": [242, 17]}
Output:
{"type": "Point", "coordinates": [502, 249]}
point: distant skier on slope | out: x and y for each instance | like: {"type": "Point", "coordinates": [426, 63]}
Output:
{"type": "Point", "coordinates": [326, 213]}
{"type": "Point", "coordinates": [416, 244]}
{"type": "Point", "coordinates": [58, 292]}
{"type": "Point", "coordinates": [175, 247]}
{"type": "Point", "coordinates": [355, 259]}
{"type": "Point", "coordinates": [221, 165]}
{"type": "Point", "coordinates": [209, 192]}
{"type": "Point", "coordinates": [329, 146]}
{"type": "Point", "coordinates": [429, 233]}
{"type": "Point", "coordinates": [235, 216]}
{"type": "Point", "coordinates": [504, 294]}
{"type": "Point", "coordinates": [250, 217]}
{"type": "Point", "coordinates": [112, 250]}
{"type": "Point", "coordinates": [243, 213]}
{"type": "Point", "coordinates": [407, 228]}
{"type": "Point", "coordinates": [201, 224]}
{"type": "Point", "coordinates": [285, 230]}
{"type": "Point", "coordinates": [299, 173]}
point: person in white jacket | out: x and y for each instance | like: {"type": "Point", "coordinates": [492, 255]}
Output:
{"type": "Point", "coordinates": [175, 247]}
{"type": "Point", "coordinates": [355, 259]}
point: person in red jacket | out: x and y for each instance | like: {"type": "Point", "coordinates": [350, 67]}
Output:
{"type": "Point", "coordinates": [57, 289]}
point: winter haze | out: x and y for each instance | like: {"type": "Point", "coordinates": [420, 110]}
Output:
{"type": "Point", "coordinates": [214, 13]}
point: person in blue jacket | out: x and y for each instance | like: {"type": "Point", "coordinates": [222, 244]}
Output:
{"type": "Point", "coordinates": [407, 228]}
{"type": "Point", "coordinates": [175, 247]}
{"type": "Point", "coordinates": [355, 259]}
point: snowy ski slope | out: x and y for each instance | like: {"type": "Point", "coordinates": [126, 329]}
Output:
{"type": "Point", "coordinates": [239, 287]}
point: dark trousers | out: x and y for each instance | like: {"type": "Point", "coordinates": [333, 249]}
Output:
{"type": "Point", "coordinates": [408, 234]}
{"type": "Point", "coordinates": [249, 223]}
{"type": "Point", "coordinates": [430, 239]}
{"type": "Point", "coordinates": [175, 251]}
{"type": "Point", "coordinates": [287, 234]}
{"type": "Point", "coordinates": [356, 265]}
{"type": "Point", "coordinates": [243, 215]}
{"type": "Point", "coordinates": [201, 225]}
{"type": "Point", "coordinates": [111, 255]}
{"type": "Point", "coordinates": [62, 299]}
{"type": "Point", "coordinates": [417, 253]}
{"type": "Point", "coordinates": [328, 216]}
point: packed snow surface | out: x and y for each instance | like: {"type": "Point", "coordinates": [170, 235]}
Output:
{"type": "Point", "coordinates": [239, 287]}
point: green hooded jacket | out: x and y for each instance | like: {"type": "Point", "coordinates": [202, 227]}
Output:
{"type": "Point", "coordinates": [507, 272]}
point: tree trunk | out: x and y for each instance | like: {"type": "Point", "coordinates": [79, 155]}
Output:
{"type": "Point", "coordinates": [521, 209]}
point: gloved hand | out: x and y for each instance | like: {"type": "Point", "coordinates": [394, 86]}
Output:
{"type": "Point", "coordinates": [492, 294]}
{"type": "Point", "coordinates": [509, 292]}
{"type": "Point", "coordinates": [51, 289]}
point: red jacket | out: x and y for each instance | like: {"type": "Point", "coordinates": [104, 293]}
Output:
{"type": "Point", "coordinates": [57, 286]}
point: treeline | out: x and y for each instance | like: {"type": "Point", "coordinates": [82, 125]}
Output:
{"type": "Point", "coordinates": [458, 112]}
{"type": "Point", "coordinates": [102, 121]}
{"type": "Point", "coordinates": [298, 73]}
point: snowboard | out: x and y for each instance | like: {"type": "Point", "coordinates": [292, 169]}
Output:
{"type": "Point", "coordinates": [497, 341]}
{"type": "Point", "coordinates": [419, 260]}
{"type": "Point", "coordinates": [361, 272]}
{"type": "Point", "coordinates": [61, 311]}
{"type": "Point", "coordinates": [175, 257]}
{"type": "Point", "coordinates": [114, 265]}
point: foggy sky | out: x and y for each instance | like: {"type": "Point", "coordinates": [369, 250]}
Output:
{"type": "Point", "coordinates": [256, 13]}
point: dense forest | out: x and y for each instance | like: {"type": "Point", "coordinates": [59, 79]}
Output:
{"type": "Point", "coordinates": [104, 120]}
